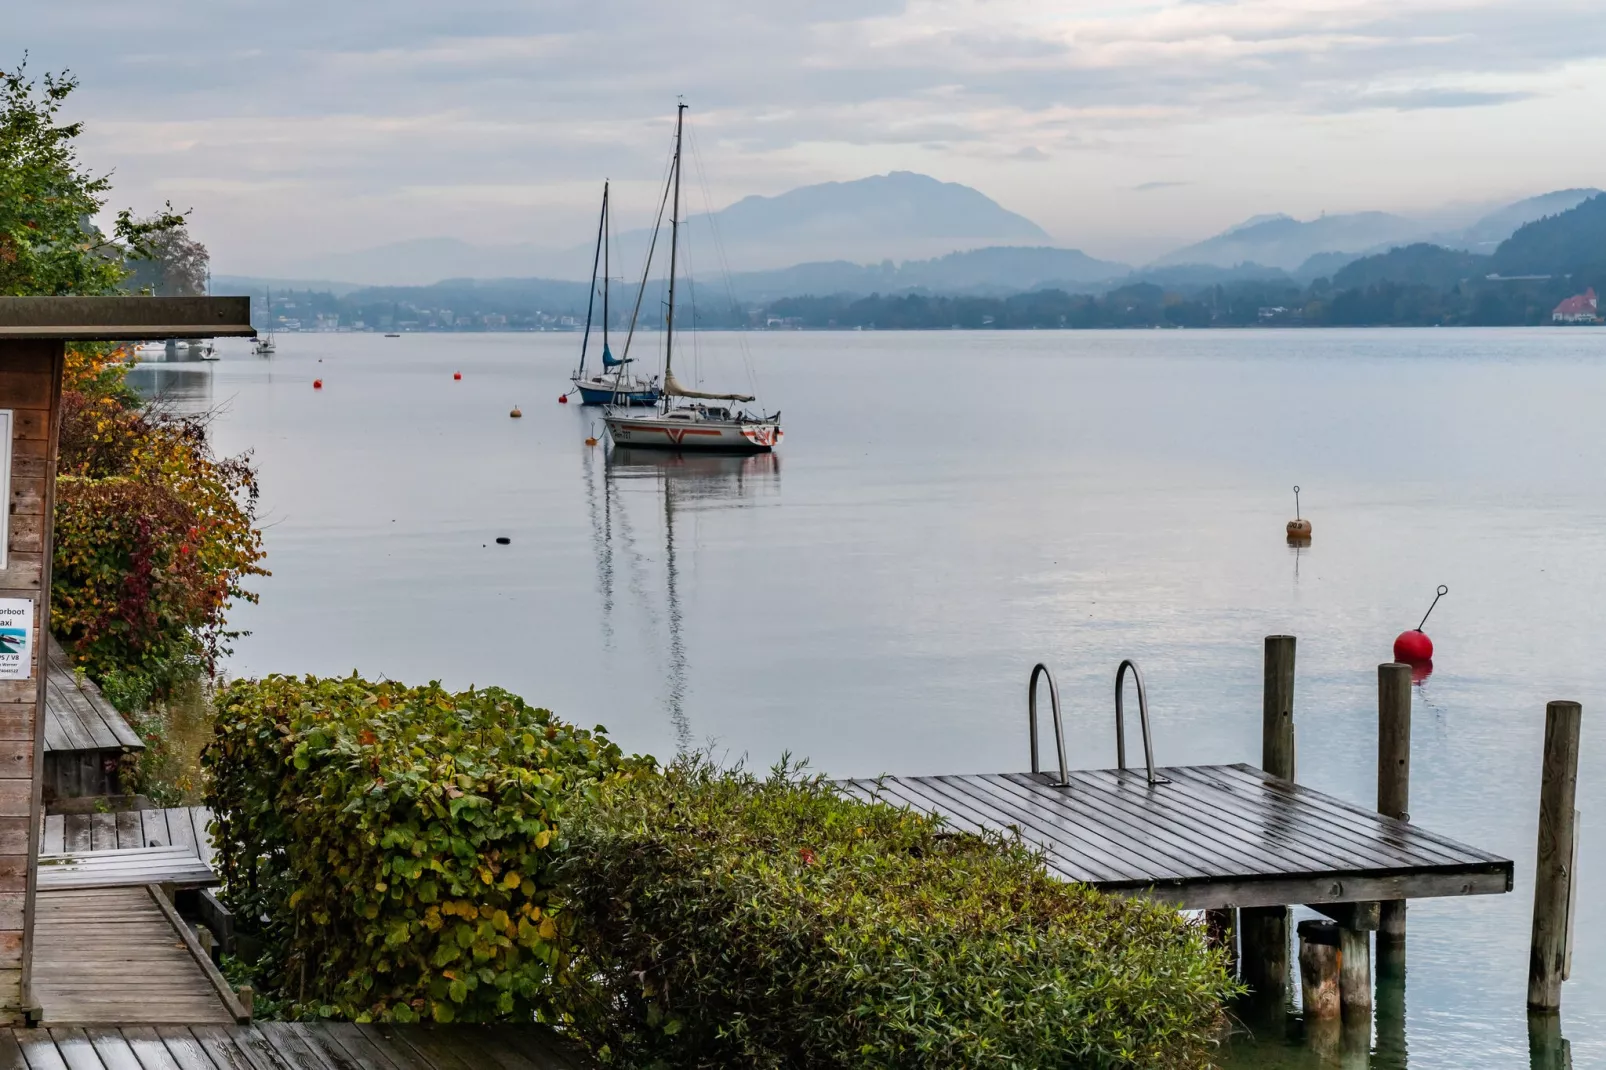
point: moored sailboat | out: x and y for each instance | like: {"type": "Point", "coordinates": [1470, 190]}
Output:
{"type": "Point", "coordinates": [612, 385]}
{"type": "Point", "coordinates": [693, 425]}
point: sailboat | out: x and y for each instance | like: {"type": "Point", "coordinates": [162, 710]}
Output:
{"type": "Point", "coordinates": [611, 385]}
{"type": "Point", "coordinates": [264, 345]}
{"type": "Point", "coordinates": [694, 424]}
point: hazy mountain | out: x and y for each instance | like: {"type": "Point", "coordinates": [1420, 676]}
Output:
{"type": "Point", "coordinates": [1283, 242]}
{"type": "Point", "coordinates": [1568, 242]}
{"type": "Point", "coordinates": [900, 216]}
{"type": "Point", "coordinates": [1501, 224]}
{"type": "Point", "coordinates": [1419, 264]}
{"type": "Point", "coordinates": [993, 270]}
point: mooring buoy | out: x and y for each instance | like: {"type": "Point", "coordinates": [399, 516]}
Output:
{"type": "Point", "coordinates": [563, 399]}
{"type": "Point", "coordinates": [317, 384]}
{"type": "Point", "coordinates": [1414, 647]}
{"type": "Point", "coordinates": [515, 413]}
{"type": "Point", "coordinates": [457, 375]}
{"type": "Point", "coordinates": [1299, 527]}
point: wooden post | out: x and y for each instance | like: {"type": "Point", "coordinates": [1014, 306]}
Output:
{"type": "Point", "coordinates": [1277, 708]}
{"type": "Point", "coordinates": [1553, 875]}
{"type": "Point", "coordinates": [1263, 931]}
{"type": "Point", "coordinates": [1355, 974]}
{"type": "Point", "coordinates": [1319, 968]}
{"type": "Point", "coordinates": [1393, 773]}
{"type": "Point", "coordinates": [1222, 928]}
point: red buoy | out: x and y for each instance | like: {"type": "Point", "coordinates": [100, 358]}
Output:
{"type": "Point", "coordinates": [1413, 646]}
{"type": "Point", "coordinates": [457, 375]}
{"type": "Point", "coordinates": [563, 399]}
{"type": "Point", "coordinates": [317, 384]}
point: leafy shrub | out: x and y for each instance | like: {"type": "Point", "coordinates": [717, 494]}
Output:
{"type": "Point", "coordinates": [724, 920]}
{"type": "Point", "coordinates": [398, 841]}
{"type": "Point", "coordinates": [154, 537]}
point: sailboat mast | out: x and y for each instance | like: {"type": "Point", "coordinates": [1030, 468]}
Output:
{"type": "Point", "coordinates": [607, 229]}
{"type": "Point", "coordinates": [591, 299]}
{"type": "Point", "coordinates": [674, 242]}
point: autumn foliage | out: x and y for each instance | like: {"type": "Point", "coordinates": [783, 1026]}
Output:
{"type": "Point", "coordinates": [154, 535]}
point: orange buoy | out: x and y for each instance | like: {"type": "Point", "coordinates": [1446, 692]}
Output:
{"type": "Point", "coordinates": [1299, 527]}
{"type": "Point", "coordinates": [515, 413]}
{"type": "Point", "coordinates": [457, 375]}
{"type": "Point", "coordinates": [317, 384]}
{"type": "Point", "coordinates": [591, 442]}
{"type": "Point", "coordinates": [563, 399]}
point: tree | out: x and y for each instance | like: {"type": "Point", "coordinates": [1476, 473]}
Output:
{"type": "Point", "coordinates": [48, 244]}
{"type": "Point", "coordinates": [176, 267]}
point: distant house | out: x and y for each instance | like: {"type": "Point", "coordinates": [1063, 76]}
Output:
{"type": "Point", "coordinates": [1584, 308]}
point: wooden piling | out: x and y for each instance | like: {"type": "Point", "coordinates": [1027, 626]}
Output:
{"type": "Point", "coordinates": [1355, 974]}
{"type": "Point", "coordinates": [1263, 931]}
{"type": "Point", "coordinates": [1277, 708]}
{"type": "Point", "coordinates": [1319, 959]}
{"type": "Point", "coordinates": [1553, 875]}
{"type": "Point", "coordinates": [1393, 773]}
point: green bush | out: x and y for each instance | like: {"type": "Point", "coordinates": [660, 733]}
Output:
{"type": "Point", "coordinates": [397, 842]}
{"type": "Point", "coordinates": [725, 920]}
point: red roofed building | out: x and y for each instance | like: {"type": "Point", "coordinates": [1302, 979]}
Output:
{"type": "Point", "coordinates": [1585, 308]}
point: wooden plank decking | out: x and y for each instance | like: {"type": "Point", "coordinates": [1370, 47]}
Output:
{"type": "Point", "coordinates": [286, 1046]}
{"type": "Point", "coordinates": [113, 955]}
{"type": "Point", "coordinates": [77, 716]}
{"type": "Point", "coordinates": [184, 826]}
{"type": "Point", "coordinates": [1214, 836]}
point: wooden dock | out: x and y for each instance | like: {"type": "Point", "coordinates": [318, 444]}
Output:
{"type": "Point", "coordinates": [85, 736]}
{"type": "Point", "coordinates": [182, 826]}
{"type": "Point", "coordinates": [286, 1046]}
{"type": "Point", "coordinates": [1211, 836]}
{"type": "Point", "coordinates": [114, 955]}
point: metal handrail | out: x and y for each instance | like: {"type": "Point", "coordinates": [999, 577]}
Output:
{"type": "Point", "coordinates": [1143, 719]}
{"type": "Point", "coordinates": [1059, 726]}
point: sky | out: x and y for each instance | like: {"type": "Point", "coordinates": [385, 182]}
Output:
{"type": "Point", "coordinates": [296, 129]}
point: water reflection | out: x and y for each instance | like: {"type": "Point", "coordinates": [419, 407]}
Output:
{"type": "Point", "coordinates": [682, 483]}
{"type": "Point", "coordinates": [183, 382]}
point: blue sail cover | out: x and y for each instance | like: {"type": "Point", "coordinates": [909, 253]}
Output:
{"type": "Point", "coordinates": [609, 360]}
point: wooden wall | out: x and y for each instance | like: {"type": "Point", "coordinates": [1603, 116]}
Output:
{"type": "Point", "coordinates": [30, 385]}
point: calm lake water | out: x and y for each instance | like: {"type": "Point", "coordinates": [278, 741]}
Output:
{"type": "Point", "coordinates": [949, 508]}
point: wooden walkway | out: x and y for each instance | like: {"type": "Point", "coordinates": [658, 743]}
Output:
{"type": "Point", "coordinates": [111, 955]}
{"type": "Point", "coordinates": [184, 826]}
{"type": "Point", "coordinates": [85, 736]}
{"type": "Point", "coordinates": [286, 1046]}
{"type": "Point", "coordinates": [1214, 836]}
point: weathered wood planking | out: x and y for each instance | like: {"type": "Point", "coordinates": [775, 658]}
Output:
{"type": "Point", "coordinates": [177, 866]}
{"type": "Point", "coordinates": [107, 956]}
{"type": "Point", "coordinates": [287, 1046]}
{"type": "Point", "coordinates": [85, 736]}
{"type": "Point", "coordinates": [179, 826]}
{"type": "Point", "coordinates": [1214, 836]}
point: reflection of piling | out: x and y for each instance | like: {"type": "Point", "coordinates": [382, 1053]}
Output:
{"type": "Point", "coordinates": [1390, 1003]}
{"type": "Point", "coordinates": [1553, 875]}
{"type": "Point", "coordinates": [1393, 775]}
{"type": "Point", "coordinates": [1264, 930]}
{"type": "Point", "coordinates": [1547, 1048]}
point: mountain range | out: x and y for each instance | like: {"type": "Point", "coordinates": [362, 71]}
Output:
{"type": "Point", "coordinates": [903, 232]}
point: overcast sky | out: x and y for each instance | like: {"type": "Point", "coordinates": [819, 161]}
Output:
{"type": "Point", "coordinates": [296, 127]}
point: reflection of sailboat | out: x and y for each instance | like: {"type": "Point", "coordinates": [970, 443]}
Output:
{"type": "Point", "coordinates": [693, 426]}
{"type": "Point", "coordinates": [687, 483]}
{"type": "Point", "coordinates": [611, 385]}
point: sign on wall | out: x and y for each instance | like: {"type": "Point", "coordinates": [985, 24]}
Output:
{"type": "Point", "coordinates": [16, 638]}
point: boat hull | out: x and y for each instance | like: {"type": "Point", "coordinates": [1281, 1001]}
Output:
{"type": "Point", "coordinates": [606, 392]}
{"type": "Point", "coordinates": [715, 436]}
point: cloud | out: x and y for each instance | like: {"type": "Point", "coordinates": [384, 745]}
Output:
{"type": "Point", "coordinates": [297, 123]}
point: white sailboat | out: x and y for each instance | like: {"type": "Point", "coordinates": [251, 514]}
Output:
{"type": "Point", "coordinates": [684, 420]}
{"type": "Point", "coordinates": [612, 385]}
{"type": "Point", "coordinates": [264, 345]}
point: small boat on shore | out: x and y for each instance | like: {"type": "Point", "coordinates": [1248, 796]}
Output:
{"type": "Point", "coordinates": [612, 385]}
{"type": "Point", "coordinates": [697, 425]}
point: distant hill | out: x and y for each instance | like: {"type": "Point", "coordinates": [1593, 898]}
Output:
{"type": "Point", "coordinates": [898, 216]}
{"type": "Point", "coordinates": [1494, 228]}
{"type": "Point", "coordinates": [1284, 242]}
{"type": "Point", "coordinates": [1418, 264]}
{"type": "Point", "coordinates": [1567, 242]}
{"type": "Point", "coordinates": [993, 270]}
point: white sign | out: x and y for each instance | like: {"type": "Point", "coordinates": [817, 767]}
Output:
{"type": "Point", "coordinates": [16, 638]}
